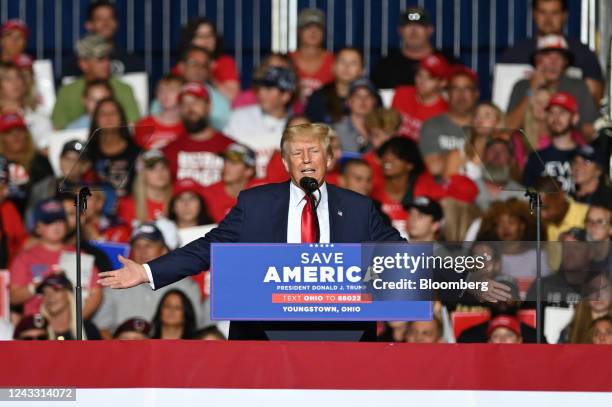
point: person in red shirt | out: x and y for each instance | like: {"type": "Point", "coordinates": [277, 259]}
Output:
{"type": "Point", "coordinates": [425, 99]}
{"type": "Point", "coordinates": [195, 153]}
{"type": "Point", "coordinates": [238, 171]}
{"type": "Point", "coordinates": [202, 32]}
{"type": "Point", "coordinates": [12, 231]}
{"type": "Point", "coordinates": [187, 207]}
{"type": "Point", "coordinates": [33, 264]}
{"type": "Point", "coordinates": [159, 130]}
{"type": "Point", "coordinates": [151, 191]}
{"type": "Point", "coordinates": [312, 61]}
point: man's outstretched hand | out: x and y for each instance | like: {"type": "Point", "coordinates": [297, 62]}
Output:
{"type": "Point", "coordinates": [130, 275]}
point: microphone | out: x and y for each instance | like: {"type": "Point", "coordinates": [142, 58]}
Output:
{"type": "Point", "coordinates": [309, 184]}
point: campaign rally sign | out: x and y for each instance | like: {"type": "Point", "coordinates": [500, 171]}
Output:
{"type": "Point", "coordinates": [318, 282]}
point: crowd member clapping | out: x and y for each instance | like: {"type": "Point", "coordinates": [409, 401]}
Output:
{"type": "Point", "coordinates": [202, 32]}
{"type": "Point", "coordinates": [94, 62]}
{"type": "Point", "coordinates": [328, 104]}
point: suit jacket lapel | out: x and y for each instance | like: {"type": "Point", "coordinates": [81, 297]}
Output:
{"type": "Point", "coordinates": [280, 211]}
{"type": "Point", "coordinates": [336, 212]}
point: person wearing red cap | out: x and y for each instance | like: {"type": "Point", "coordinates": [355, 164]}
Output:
{"type": "Point", "coordinates": [17, 96]}
{"type": "Point", "coordinates": [555, 160]}
{"type": "Point", "coordinates": [195, 153]}
{"type": "Point", "coordinates": [187, 207]}
{"type": "Point", "coordinates": [13, 39]}
{"type": "Point", "coordinates": [423, 100]}
{"type": "Point", "coordinates": [550, 17]}
{"type": "Point", "coordinates": [504, 329]}
{"type": "Point", "coordinates": [551, 60]}
{"type": "Point", "coordinates": [26, 165]}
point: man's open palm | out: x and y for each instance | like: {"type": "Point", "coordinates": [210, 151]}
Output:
{"type": "Point", "coordinates": [130, 275]}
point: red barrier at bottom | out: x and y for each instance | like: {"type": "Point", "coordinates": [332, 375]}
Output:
{"type": "Point", "coordinates": [301, 365]}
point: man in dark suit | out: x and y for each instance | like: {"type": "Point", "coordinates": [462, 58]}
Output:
{"type": "Point", "coordinates": [278, 213]}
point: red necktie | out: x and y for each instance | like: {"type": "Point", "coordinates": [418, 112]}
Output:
{"type": "Point", "coordinates": [309, 222]}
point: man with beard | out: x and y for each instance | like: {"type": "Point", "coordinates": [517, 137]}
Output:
{"type": "Point", "coordinates": [555, 160]}
{"type": "Point", "coordinates": [195, 154]}
{"type": "Point", "coordinates": [495, 183]}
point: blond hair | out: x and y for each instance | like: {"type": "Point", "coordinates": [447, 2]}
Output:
{"type": "Point", "coordinates": [73, 321]}
{"type": "Point", "coordinates": [321, 132]}
{"type": "Point", "coordinates": [389, 120]}
{"type": "Point", "coordinates": [139, 191]}
{"type": "Point", "coordinates": [27, 156]}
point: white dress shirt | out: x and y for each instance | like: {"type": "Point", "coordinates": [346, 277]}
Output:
{"type": "Point", "coordinates": [294, 219]}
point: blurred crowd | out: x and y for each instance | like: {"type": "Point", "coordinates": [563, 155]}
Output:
{"type": "Point", "coordinates": [441, 165]}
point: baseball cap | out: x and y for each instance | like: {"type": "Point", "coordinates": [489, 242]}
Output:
{"type": "Point", "coordinates": [73, 145]}
{"type": "Point", "coordinates": [186, 185]}
{"type": "Point", "coordinates": [554, 42]}
{"type": "Point", "coordinates": [148, 231]}
{"type": "Point", "coordinates": [239, 152]}
{"type": "Point", "coordinates": [504, 321]}
{"type": "Point", "coordinates": [588, 152]}
{"type": "Point", "coordinates": [564, 100]}
{"type": "Point", "coordinates": [92, 46]}
{"type": "Point", "coordinates": [195, 89]}
{"type": "Point", "coordinates": [133, 325]}
{"type": "Point", "coordinates": [15, 24]}
{"type": "Point", "coordinates": [414, 15]}
{"type": "Point", "coordinates": [9, 121]}
{"type": "Point", "coordinates": [4, 169]}
{"type": "Point", "coordinates": [23, 61]}
{"type": "Point", "coordinates": [34, 321]}
{"type": "Point", "coordinates": [427, 206]}
{"type": "Point", "coordinates": [278, 77]}
{"type": "Point", "coordinates": [457, 70]}
{"type": "Point", "coordinates": [362, 83]}
{"type": "Point", "coordinates": [310, 16]}
{"type": "Point", "coordinates": [56, 281]}
{"type": "Point", "coordinates": [436, 65]}
{"type": "Point", "coordinates": [49, 210]}
{"type": "Point", "coordinates": [152, 157]}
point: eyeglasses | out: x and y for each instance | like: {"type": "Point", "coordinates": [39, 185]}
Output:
{"type": "Point", "coordinates": [597, 222]}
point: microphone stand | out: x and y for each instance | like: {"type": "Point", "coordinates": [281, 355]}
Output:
{"type": "Point", "coordinates": [535, 203]}
{"type": "Point", "coordinates": [81, 206]}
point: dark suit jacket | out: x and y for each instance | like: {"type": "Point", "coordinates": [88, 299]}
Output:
{"type": "Point", "coordinates": [260, 216]}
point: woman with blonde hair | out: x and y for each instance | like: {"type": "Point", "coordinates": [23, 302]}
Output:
{"type": "Point", "coordinates": [151, 191]}
{"type": "Point", "coordinates": [597, 304]}
{"type": "Point", "coordinates": [16, 97]}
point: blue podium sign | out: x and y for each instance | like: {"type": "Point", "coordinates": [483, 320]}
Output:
{"type": "Point", "coordinates": [320, 282]}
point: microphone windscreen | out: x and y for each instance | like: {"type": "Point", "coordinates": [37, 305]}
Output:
{"type": "Point", "coordinates": [309, 184]}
